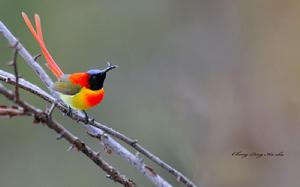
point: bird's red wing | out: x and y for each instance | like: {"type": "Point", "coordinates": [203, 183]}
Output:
{"type": "Point", "coordinates": [39, 38]}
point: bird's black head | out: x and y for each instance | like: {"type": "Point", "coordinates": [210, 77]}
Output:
{"type": "Point", "coordinates": [97, 77]}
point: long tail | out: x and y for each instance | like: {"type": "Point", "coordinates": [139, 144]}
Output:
{"type": "Point", "coordinates": [38, 35]}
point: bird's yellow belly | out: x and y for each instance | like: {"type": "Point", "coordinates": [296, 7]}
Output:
{"type": "Point", "coordinates": [84, 99]}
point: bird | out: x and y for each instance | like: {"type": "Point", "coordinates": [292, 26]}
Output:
{"type": "Point", "coordinates": [80, 90]}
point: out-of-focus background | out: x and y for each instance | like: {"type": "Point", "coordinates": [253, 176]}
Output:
{"type": "Point", "coordinates": [198, 80]}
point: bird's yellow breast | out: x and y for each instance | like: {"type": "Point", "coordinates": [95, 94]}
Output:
{"type": "Point", "coordinates": [84, 99]}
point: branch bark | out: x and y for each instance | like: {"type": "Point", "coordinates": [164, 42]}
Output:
{"type": "Point", "coordinates": [95, 132]}
{"type": "Point", "coordinates": [43, 117]}
{"type": "Point", "coordinates": [100, 128]}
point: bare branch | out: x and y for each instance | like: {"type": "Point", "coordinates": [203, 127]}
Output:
{"type": "Point", "coordinates": [43, 117]}
{"type": "Point", "coordinates": [28, 58]}
{"type": "Point", "coordinates": [76, 115]}
{"type": "Point", "coordinates": [14, 64]}
{"type": "Point", "coordinates": [11, 111]}
{"type": "Point", "coordinates": [10, 79]}
{"type": "Point", "coordinates": [96, 132]}
{"type": "Point", "coordinates": [134, 160]}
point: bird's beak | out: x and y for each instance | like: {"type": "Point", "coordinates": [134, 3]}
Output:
{"type": "Point", "coordinates": [109, 67]}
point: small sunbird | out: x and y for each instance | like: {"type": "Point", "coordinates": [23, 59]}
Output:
{"type": "Point", "coordinates": [81, 90]}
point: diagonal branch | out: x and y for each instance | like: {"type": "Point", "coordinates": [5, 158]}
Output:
{"type": "Point", "coordinates": [10, 79]}
{"type": "Point", "coordinates": [79, 117]}
{"type": "Point", "coordinates": [132, 159]}
{"type": "Point", "coordinates": [43, 117]}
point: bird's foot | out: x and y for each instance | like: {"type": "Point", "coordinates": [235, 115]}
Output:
{"type": "Point", "coordinates": [86, 117]}
{"type": "Point", "coordinates": [70, 111]}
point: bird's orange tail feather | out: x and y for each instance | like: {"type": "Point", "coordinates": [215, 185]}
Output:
{"type": "Point", "coordinates": [38, 35]}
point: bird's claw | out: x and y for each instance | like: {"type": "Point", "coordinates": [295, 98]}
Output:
{"type": "Point", "coordinates": [86, 117]}
{"type": "Point", "coordinates": [70, 111]}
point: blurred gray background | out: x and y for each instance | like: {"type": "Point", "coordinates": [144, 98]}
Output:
{"type": "Point", "coordinates": [197, 81]}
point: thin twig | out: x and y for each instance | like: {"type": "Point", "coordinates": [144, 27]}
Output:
{"type": "Point", "coordinates": [79, 117]}
{"type": "Point", "coordinates": [43, 117]}
{"type": "Point", "coordinates": [16, 70]}
{"type": "Point", "coordinates": [36, 57]}
{"type": "Point", "coordinates": [14, 64]}
{"type": "Point", "coordinates": [50, 109]}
